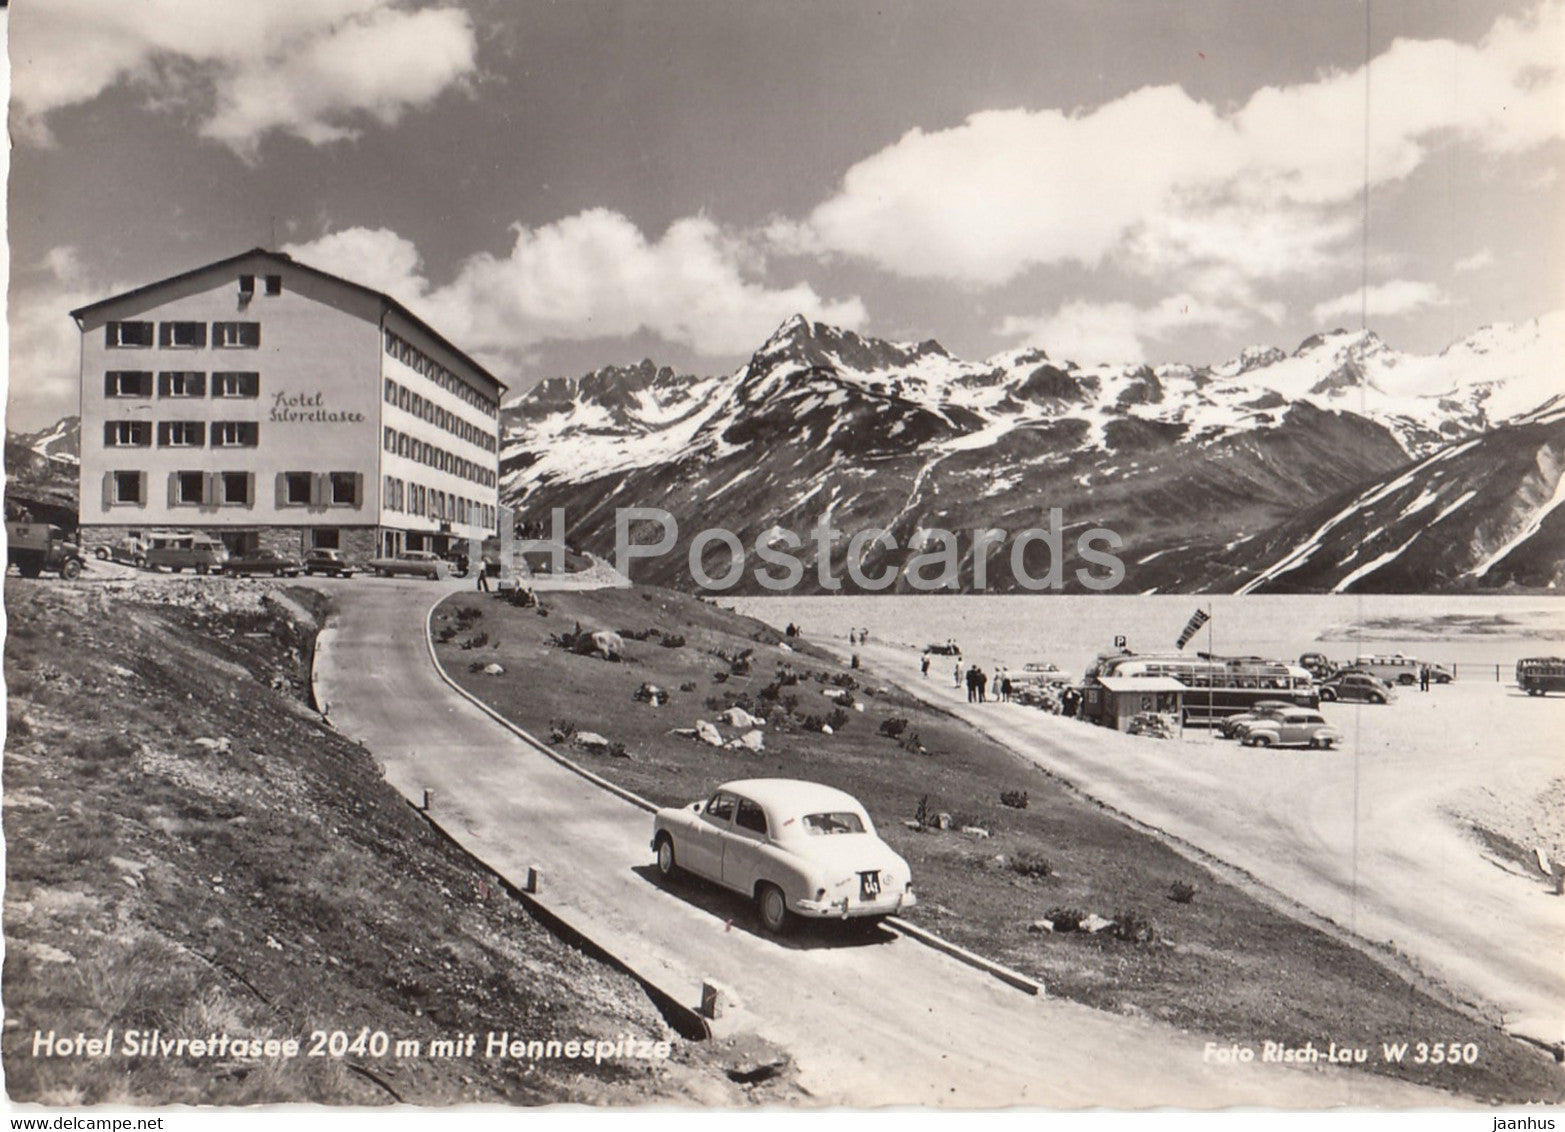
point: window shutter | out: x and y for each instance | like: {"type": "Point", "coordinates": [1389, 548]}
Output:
{"type": "Point", "coordinates": [209, 496]}
{"type": "Point", "coordinates": [319, 486]}
{"type": "Point", "coordinates": [282, 491]}
{"type": "Point", "coordinates": [108, 434]}
{"type": "Point", "coordinates": [358, 489]}
{"type": "Point", "coordinates": [173, 489]}
{"type": "Point", "coordinates": [108, 334]}
{"type": "Point", "coordinates": [141, 489]}
{"type": "Point", "coordinates": [249, 489]}
{"type": "Point", "coordinates": [108, 490]}
{"type": "Point", "coordinates": [200, 430]}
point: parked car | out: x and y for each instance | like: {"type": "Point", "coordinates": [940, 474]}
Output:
{"type": "Point", "coordinates": [330, 562]}
{"type": "Point", "coordinates": [1317, 665]}
{"type": "Point", "coordinates": [129, 550]}
{"type": "Point", "coordinates": [411, 563]}
{"type": "Point", "coordinates": [1540, 675]}
{"type": "Point", "coordinates": [1296, 727]}
{"type": "Point", "coordinates": [798, 849]}
{"type": "Point", "coordinates": [1232, 726]}
{"type": "Point", "coordinates": [1358, 687]}
{"type": "Point", "coordinates": [265, 562]}
{"type": "Point", "coordinates": [178, 550]}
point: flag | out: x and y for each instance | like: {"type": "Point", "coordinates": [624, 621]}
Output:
{"type": "Point", "coordinates": [1201, 617]}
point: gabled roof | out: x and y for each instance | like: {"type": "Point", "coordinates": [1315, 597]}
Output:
{"type": "Point", "coordinates": [282, 258]}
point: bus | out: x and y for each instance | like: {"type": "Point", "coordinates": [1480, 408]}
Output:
{"type": "Point", "coordinates": [1540, 675]}
{"type": "Point", "coordinates": [1398, 668]}
{"type": "Point", "coordinates": [1218, 686]}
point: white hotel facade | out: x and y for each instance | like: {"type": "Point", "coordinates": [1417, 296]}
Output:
{"type": "Point", "coordinates": [273, 405]}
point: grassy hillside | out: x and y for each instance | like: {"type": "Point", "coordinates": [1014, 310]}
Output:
{"type": "Point", "coordinates": [189, 849]}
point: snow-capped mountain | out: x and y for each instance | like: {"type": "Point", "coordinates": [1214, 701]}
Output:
{"type": "Point", "coordinates": [1183, 462]}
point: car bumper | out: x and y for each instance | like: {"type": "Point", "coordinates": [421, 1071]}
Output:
{"type": "Point", "coordinates": [848, 908]}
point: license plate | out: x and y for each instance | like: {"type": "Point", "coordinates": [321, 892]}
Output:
{"type": "Point", "coordinates": [869, 884]}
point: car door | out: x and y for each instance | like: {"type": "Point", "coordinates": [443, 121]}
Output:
{"type": "Point", "coordinates": [1292, 729]}
{"type": "Point", "coordinates": [743, 847]}
{"type": "Point", "coordinates": [702, 852]}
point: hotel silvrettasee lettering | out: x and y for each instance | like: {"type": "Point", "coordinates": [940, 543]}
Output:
{"type": "Point", "coordinates": [309, 408]}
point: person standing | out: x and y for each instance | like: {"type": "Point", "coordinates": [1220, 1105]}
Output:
{"type": "Point", "coordinates": [481, 582]}
{"type": "Point", "coordinates": [923, 666]}
{"type": "Point", "coordinates": [956, 675]}
{"type": "Point", "coordinates": [1423, 678]}
{"type": "Point", "coordinates": [983, 686]}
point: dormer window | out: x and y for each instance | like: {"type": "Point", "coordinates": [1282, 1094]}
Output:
{"type": "Point", "coordinates": [246, 285]}
{"type": "Point", "coordinates": [274, 284]}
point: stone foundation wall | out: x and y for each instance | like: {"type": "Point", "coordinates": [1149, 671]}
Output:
{"type": "Point", "coordinates": [357, 544]}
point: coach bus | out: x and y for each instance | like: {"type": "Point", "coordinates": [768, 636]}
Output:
{"type": "Point", "coordinates": [1217, 686]}
{"type": "Point", "coordinates": [1540, 675]}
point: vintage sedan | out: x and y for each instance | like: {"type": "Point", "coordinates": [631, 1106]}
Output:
{"type": "Point", "coordinates": [1356, 686]}
{"type": "Point", "coordinates": [798, 849]}
{"type": "Point", "coordinates": [264, 562]}
{"type": "Point", "coordinates": [1296, 727]}
{"type": "Point", "coordinates": [1233, 726]}
{"type": "Point", "coordinates": [329, 562]}
{"type": "Point", "coordinates": [411, 563]}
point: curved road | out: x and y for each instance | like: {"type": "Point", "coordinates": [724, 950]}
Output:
{"type": "Point", "coordinates": [877, 1022]}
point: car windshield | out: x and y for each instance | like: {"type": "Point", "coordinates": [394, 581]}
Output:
{"type": "Point", "coordinates": [840, 821]}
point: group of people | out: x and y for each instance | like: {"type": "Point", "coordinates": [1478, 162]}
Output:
{"type": "Point", "coordinates": [978, 684]}
{"type": "Point", "coordinates": [858, 636]}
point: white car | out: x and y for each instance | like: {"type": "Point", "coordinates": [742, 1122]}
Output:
{"type": "Point", "coordinates": [1295, 727]}
{"type": "Point", "coordinates": [795, 848]}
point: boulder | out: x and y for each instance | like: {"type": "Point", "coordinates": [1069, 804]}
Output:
{"type": "Point", "coordinates": [738, 717]}
{"type": "Point", "coordinates": [608, 644]}
{"type": "Point", "coordinates": [591, 741]}
{"type": "Point", "coordinates": [708, 733]}
{"type": "Point", "coordinates": [652, 694]}
{"type": "Point", "coordinates": [753, 740]}
{"type": "Point", "coordinates": [492, 669]}
{"type": "Point", "coordinates": [975, 831]}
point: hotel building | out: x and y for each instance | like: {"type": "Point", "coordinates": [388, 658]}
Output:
{"type": "Point", "coordinates": [270, 404]}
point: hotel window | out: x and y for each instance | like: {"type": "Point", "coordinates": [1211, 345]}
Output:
{"type": "Point", "coordinates": [127, 383]}
{"type": "Point", "coordinates": [119, 335]}
{"type": "Point", "coordinates": [235, 434]}
{"type": "Point", "coordinates": [388, 490]}
{"type": "Point", "coordinates": [125, 487]}
{"type": "Point", "coordinates": [388, 439]}
{"type": "Point", "coordinates": [274, 284]}
{"type": "Point", "coordinates": [181, 383]}
{"type": "Point", "coordinates": [345, 488]}
{"type": "Point", "coordinates": [236, 335]}
{"type": "Point", "coordinates": [181, 434]}
{"type": "Point", "coordinates": [238, 489]}
{"type": "Point", "coordinates": [391, 392]}
{"type": "Point", "coordinates": [127, 434]}
{"type": "Point", "coordinates": [404, 397]}
{"type": "Point", "coordinates": [236, 384]}
{"type": "Point", "coordinates": [182, 335]}
{"type": "Point", "coordinates": [295, 488]}
{"type": "Point", "coordinates": [247, 285]}
{"type": "Point", "coordinates": [404, 443]}
{"type": "Point", "coordinates": [187, 488]}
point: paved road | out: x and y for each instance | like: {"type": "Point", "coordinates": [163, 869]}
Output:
{"type": "Point", "coordinates": [878, 1022]}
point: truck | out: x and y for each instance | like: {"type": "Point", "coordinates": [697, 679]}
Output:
{"type": "Point", "coordinates": [35, 547]}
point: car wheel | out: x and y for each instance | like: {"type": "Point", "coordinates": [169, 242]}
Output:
{"type": "Point", "coordinates": [1327, 744]}
{"type": "Point", "coordinates": [101, 554]}
{"type": "Point", "coordinates": [668, 866]}
{"type": "Point", "coordinates": [1377, 698]}
{"type": "Point", "coordinates": [773, 907]}
{"type": "Point", "coordinates": [201, 570]}
{"type": "Point", "coordinates": [1260, 741]}
{"type": "Point", "coordinates": [140, 563]}
{"type": "Point", "coordinates": [1405, 679]}
{"type": "Point", "coordinates": [70, 569]}
{"type": "Point", "coordinates": [1328, 694]}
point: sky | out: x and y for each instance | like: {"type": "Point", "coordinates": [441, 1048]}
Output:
{"type": "Point", "coordinates": [558, 185]}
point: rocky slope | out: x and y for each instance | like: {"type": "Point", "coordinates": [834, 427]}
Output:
{"type": "Point", "coordinates": [1189, 466]}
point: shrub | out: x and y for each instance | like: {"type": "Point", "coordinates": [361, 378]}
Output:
{"type": "Point", "coordinates": [688, 686]}
{"type": "Point", "coordinates": [561, 730]}
{"type": "Point", "coordinates": [1030, 865]}
{"type": "Point", "coordinates": [673, 641]}
{"type": "Point", "coordinates": [921, 815]}
{"type": "Point", "coordinates": [1181, 892]}
{"type": "Point", "coordinates": [913, 744]}
{"type": "Point", "coordinates": [467, 614]}
{"type": "Point", "coordinates": [838, 719]}
{"type": "Point", "coordinates": [1130, 926]}
{"type": "Point", "coordinates": [893, 728]}
{"type": "Point", "coordinates": [1065, 919]}
{"type": "Point", "coordinates": [843, 680]}
{"type": "Point", "coordinates": [638, 634]}
{"type": "Point", "coordinates": [477, 642]}
{"type": "Point", "coordinates": [719, 677]}
{"type": "Point", "coordinates": [1016, 799]}
{"type": "Point", "coordinates": [445, 634]}
{"type": "Point", "coordinates": [813, 723]}
{"type": "Point", "coordinates": [843, 699]}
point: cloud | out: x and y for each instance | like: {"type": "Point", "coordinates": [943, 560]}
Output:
{"type": "Point", "coordinates": [45, 344]}
{"type": "Point", "coordinates": [316, 69]}
{"type": "Point", "coordinates": [592, 275]}
{"type": "Point", "coordinates": [1479, 260]}
{"type": "Point", "coordinates": [1383, 300]}
{"type": "Point", "coordinates": [1157, 183]}
{"type": "Point", "coordinates": [1089, 332]}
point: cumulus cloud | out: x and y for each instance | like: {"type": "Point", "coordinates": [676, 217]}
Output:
{"type": "Point", "coordinates": [1383, 300]}
{"type": "Point", "coordinates": [1089, 332]}
{"type": "Point", "coordinates": [592, 275]}
{"type": "Point", "coordinates": [1479, 260]}
{"type": "Point", "coordinates": [45, 344]}
{"type": "Point", "coordinates": [316, 69]}
{"type": "Point", "coordinates": [1159, 183]}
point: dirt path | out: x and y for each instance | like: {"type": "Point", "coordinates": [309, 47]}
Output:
{"type": "Point", "coordinates": [881, 1022]}
{"type": "Point", "coordinates": [1359, 836]}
